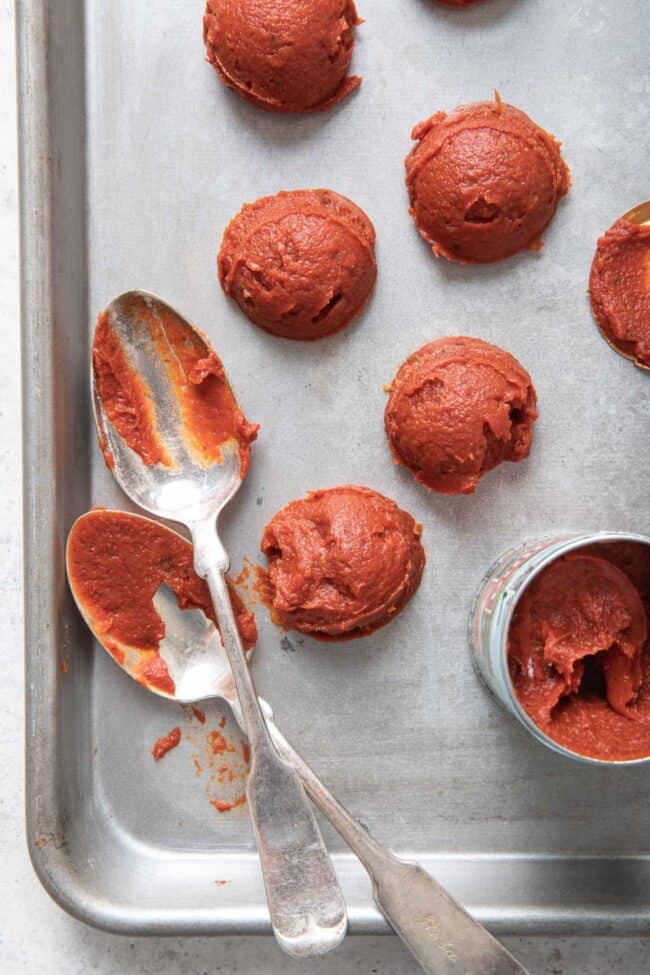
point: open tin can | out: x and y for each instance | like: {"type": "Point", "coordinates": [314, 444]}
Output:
{"type": "Point", "coordinates": [493, 611]}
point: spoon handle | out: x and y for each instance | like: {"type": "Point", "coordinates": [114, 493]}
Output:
{"type": "Point", "coordinates": [305, 901]}
{"type": "Point", "coordinates": [442, 936]}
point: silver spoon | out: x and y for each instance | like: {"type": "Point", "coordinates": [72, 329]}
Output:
{"type": "Point", "coordinates": [305, 902]}
{"type": "Point", "coordinates": [441, 935]}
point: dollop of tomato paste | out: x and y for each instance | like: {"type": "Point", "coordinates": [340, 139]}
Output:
{"type": "Point", "coordinates": [116, 563]}
{"type": "Point", "coordinates": [578, 652]}
{"type": "Point", "coordinates": [283, 55]}
{"type": "Point", "coordinates": [299, 264]}
{"type": "Point", "coordinates": [457, 408]}
{"type": "Point", "coordinates": [342, 562]}
{"type": "Point", "coordinates": [484, 181]}
{"type": "Point", "coordinates": [619, 286]}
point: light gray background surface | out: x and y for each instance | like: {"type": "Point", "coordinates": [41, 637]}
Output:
{"type": "Point", "coordinates": [34, 934]}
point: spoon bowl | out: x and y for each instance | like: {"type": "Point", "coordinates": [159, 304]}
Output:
{"type": "Point", "coordinates": [191, 647]}
{"type": "Point", "coordinates": [188, 485]}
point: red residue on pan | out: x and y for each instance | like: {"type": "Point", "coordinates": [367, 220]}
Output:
{"type": "Point", "coordinates": [243, 582]}
{"type": "Point", "coordinates": [41, 842]}
{"type": "Point", "coordinates": [166, 743]}
{"type": "Point", "coordinates": [221, 806]}
{"type": "Point", "coordinates": [63, 665]}
{"type": "Point", "coordinates": [253, 585]}
{"type": "Point", "coordinates": [218, 743]}
{"type": "Point", "coordinates": [243, 576]}
{"type": "Point", "coordinates": [262, 585]}
{"type": "Point", "coordinates": [225, 762]}
{"type": "Point", "coordinates": [199, 714]}
{"type": "Point", "coordinates": [220, 883]}
{"type": "Point", "coordinates": [220, 757]}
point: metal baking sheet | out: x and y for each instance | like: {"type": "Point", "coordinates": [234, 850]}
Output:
{"type": "Point", "coordinates": [133, 159]}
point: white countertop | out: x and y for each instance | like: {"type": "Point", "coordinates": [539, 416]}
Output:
{"type": "Point", "coordinates": [35, 935]}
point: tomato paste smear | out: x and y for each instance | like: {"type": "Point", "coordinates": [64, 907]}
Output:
{"type": "Point", "coordinates": [222, 805]}
{"type": "Point", "coordinates": [211, 415]}
{"type": "Point", "coordinates": [166, 743]}
{"type": "Point", "coordinates": [125, 398]}
{"type": "Point", "coordinates": [579, 654]}
{"type": "Point", "coordinates": [117, 562]}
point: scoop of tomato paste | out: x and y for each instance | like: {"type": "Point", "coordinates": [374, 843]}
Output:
{"type": "Point", "coordinates": [458, 407]}
{"type": "Point", "coordinates": [484, 181]}
{"type": "Point", "coordinates": [342, 562]}
{"type": "Point", "coordinates": [283, 55]}
{"type": "Point", "coordinates": [299, 264]}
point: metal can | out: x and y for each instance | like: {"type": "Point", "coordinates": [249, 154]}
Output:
{"type": "Point", "coordinates": [492, 613]}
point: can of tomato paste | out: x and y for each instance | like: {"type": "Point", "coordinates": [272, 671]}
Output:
{"type": "Point", "coordinates": [495, 606]}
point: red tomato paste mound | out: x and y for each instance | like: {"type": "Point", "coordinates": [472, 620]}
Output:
{"type": "Point", "coordinates": [342, 562]}
{"type": "Point", "coordinates": [579, 656]}
{"type": "Point", "coordinates": [620, 289]}
{"type": "Point", "coordinates": [116, 563]}
{"type": "Point", "coordinates": [484, 182]}
{"type": "Point", "coordinates": [457, 408]}
{"type": "Point", "coordinates": [283, 55]}
{"type": "Point", "coordinates": [299, 264]}
{"type": "Point", "coordinates": [165, 744]}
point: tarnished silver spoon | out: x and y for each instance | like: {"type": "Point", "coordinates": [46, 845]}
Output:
{"type": "Point", "coordinates": [441, 935]}
{"type": "Point", "coordinates": [139, 372]}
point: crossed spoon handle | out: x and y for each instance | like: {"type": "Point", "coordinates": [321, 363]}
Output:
{"type": "Point", "coordinates": [305, 902]}
{"type": "Point", "coordinates": [442, 936]}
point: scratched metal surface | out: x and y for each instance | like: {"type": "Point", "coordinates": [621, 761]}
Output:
{"type": "Point", "coordinates": [134, 158]}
